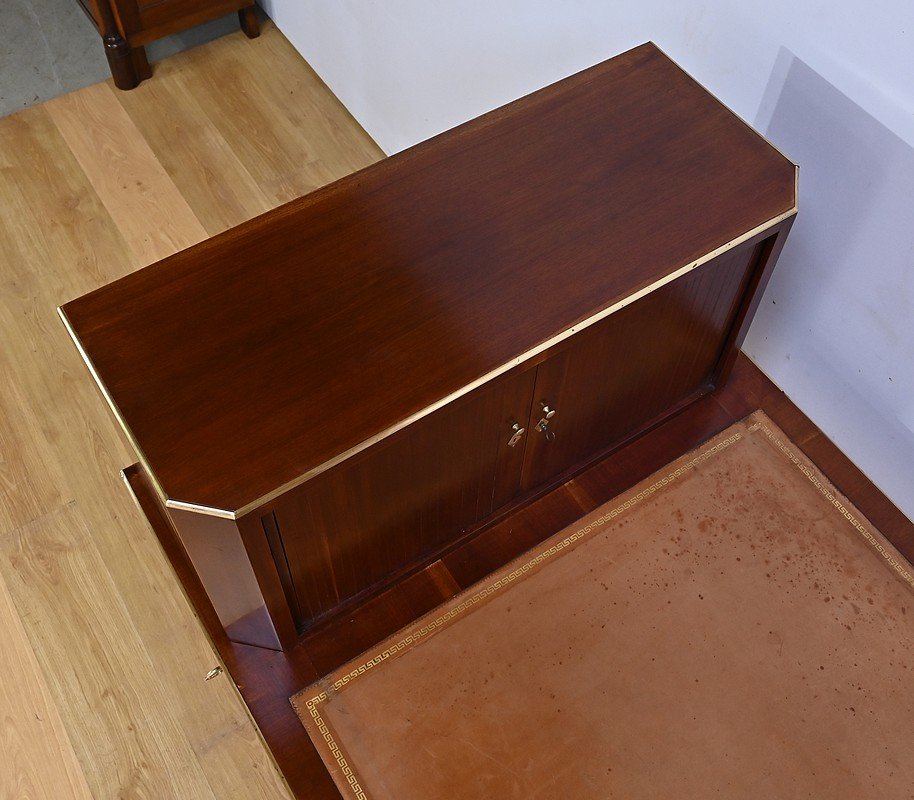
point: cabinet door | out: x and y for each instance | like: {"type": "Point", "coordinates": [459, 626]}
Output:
{"type": "Point", "coordinates": [403, 499]}
{"type": "Point", "coordinates": [631, 368]}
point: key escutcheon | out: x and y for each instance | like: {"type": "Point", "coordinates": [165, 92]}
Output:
{"type": "Point", "coordinates": [518, 434]}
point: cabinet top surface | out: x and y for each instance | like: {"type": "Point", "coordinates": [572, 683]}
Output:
{"type": "Point", "coordinates": [245, 363]}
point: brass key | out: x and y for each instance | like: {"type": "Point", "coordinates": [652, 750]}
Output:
{"type": "Point", "coordinates": [543, 425]}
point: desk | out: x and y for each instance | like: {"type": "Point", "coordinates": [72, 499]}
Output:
{"type": "Point", "coordinates": [330, 396]}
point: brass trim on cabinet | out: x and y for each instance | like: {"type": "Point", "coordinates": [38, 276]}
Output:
{"type": "Point", "coordinates": [455, 395]}
{"type": "Point", "coordinates": [154, 482]}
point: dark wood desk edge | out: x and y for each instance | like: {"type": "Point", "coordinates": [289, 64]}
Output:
{"type": "Point", "coordinates": [723, 105]}
{"type": "Point", "coordinates": [248, 667]}
{"type": "Point", "coordinates": [267, 678]}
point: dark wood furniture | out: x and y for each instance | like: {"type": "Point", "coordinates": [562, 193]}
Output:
{"type": "Point", "coordinates": [126, 26]}
{"type": "Point", "coordinates": [266, 678]}
{"type": "Point", "coordinates": [334, 395]}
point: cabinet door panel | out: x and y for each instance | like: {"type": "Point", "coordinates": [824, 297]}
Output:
{"type": "Point", "coordinates": [405, 498]}
{"type": "Point", "coordinates": [633, 366]}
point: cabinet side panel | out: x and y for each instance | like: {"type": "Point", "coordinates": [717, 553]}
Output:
{"type": "Point", "coordinates": [768, 253]}
{"type": "Point", "coordinates": [216, 550]}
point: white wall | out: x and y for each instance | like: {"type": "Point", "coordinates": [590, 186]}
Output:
{"type": "Point", "coordinates": [831, 83]}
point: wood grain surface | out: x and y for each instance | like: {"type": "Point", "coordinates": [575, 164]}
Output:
{"type": "Point", "coordinates": [103, 660]}
{"type": "Point", "coordinates": [375, 516]}
{"type": "Point", "coordinates": [279, 345]}
{"type": "Point", "coordinates": [38, 759]}
{"type": "Point", "coordinates": [405, 502]}
{"type": "Point", "coordinates": [635, 365]}
{"type": "Point", "coordinates": [142, 200]}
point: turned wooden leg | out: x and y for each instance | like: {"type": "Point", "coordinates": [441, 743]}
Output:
{"type": "Point", "coordinates": [249, 22]}
{"type": "Point", "coordinates": [141, 63]}
{"type": "Point", "coordinates": [122, 61]}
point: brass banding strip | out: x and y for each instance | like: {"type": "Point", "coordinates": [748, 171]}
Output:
{"type": "Point", "coordinates": [455, 395]}
{"type": "Point", "coordinates": [111, 404]}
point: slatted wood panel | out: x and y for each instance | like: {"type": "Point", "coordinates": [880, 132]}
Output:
{"type": "Point", "coordinates": [377, 514]}
{"type": "Point", "coordinates": [635, 365]}
{"type": "Point", "coordinates": [103, 659]}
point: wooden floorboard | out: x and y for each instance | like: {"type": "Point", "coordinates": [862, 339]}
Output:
{"type": "Point", "coordinates": [104, 658]}
{"type": "Point", "coordinates": [212, 178]}
{"type": "Point", "coordinates": [38, 758]}
{"type": "Point", "coordinates": [139, 195]}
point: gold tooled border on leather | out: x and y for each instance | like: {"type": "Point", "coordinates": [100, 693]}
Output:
{"type": "Point", "coordinates": [756, 421]}
{"type": "Point", "coordinates": [816, 479]}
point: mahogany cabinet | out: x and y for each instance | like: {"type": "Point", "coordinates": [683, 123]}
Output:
{"type": "Point", "coordinates": [127, 26]}
{"type": "Point", "coordinates": [332, 395]}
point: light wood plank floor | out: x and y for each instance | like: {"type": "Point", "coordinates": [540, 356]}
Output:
{"type": "Point", "coordinates": [102, 661]}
